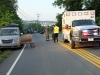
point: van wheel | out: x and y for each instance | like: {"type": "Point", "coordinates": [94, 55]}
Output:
{"type": "Point", "coordinates": [72, 44]}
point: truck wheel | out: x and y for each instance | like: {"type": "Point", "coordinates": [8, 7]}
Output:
{"type": "Point", "coordinates": [72, 44]}
{"type": "Point", "coordinates": [64, 40]}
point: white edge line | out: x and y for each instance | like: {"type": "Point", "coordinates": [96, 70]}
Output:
{"type": "Point", "coordinates": [11, 68]}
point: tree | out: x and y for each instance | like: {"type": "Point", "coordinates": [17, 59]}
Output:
{"type": "Point", "coordinates": [93, 5]}
{"type": "Point", "coordinates": [9, 15]}
{"type": "Point", "coordinates": [34, 26]}
{"type": "Point", "coordinates": [69, 4]}
{"type": "Point", "coordinates": [59, 21]}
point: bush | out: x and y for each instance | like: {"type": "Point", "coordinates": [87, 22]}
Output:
{"type": "Point", "coordinates": [98, 20]}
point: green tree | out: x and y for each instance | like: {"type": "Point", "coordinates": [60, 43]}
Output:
{"type": "Point", "coordinates": [8, 13]}
{"type": "Point", "coordinates": [59, 21]}
{"type": "Point", "coordinates": [69, 4]}
{"type": "Point", "coordinates": [93, 5]}
{"type": "Point", "coordinates": [34, 26]}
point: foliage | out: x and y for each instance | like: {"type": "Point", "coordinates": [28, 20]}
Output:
{"type": "Point", "coordinates": [69, 4]}
{"type": "Point", "coordinates": [9, 15]}
{"type": "Point", "coordinates": [4, 54]}
{"type": "Point", "coordinates": [59, 21]}
{"type": "Point", "coordinates": [98, 20]}
{"type": "Point", "coordinates": [93, 5]}
{"type": "Point", "coordinates": [35, 26]}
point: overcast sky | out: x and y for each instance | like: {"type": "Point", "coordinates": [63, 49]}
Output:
{"type": "Point", "coordinates": [28, 10]}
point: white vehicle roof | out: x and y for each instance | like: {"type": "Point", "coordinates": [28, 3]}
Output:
{"type": "Point", "coordinates": [69, 16]}
{"type": "Point", "coordinates": [10, 28]}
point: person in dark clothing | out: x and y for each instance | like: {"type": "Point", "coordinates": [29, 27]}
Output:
{"type": "Point", "coordinates": [53, 32]}
{"type": "Point", "coordinates": [47, 33]}
{"type": "Point", "coordinates": [56, 31]}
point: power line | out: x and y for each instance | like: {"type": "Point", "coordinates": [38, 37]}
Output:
{"type": "Point", "coordinates": [25, 13]}
{"type": "Point", "coordinates": [28, 2]}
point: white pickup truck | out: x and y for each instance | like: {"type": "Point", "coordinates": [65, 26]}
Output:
{"type": "Point", "coordinates": [80, 27]}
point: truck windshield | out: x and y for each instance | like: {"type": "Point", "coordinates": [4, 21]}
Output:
{"type": "Point", "coordinates": [83, 22]}
{"type": "Point", "coordinates": [9, 32]}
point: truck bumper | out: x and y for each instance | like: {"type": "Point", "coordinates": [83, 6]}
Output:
{"type": "Point", "coordinates": [88, 40]}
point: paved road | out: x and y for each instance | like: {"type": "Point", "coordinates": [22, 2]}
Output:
{"type": "Point", "coordinates": [47, 58]}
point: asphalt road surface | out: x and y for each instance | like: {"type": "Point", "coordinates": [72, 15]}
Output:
{"type": "Point", "coordinates": [46, 58]}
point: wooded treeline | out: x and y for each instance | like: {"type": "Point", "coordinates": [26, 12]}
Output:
{"type": "Point", "coordinates": [8, 13]}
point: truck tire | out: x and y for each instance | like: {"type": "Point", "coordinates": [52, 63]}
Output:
{"type": "Point", "coordinates": [72, 44]}
{"type": "Point", "coordinates": [64, 40]}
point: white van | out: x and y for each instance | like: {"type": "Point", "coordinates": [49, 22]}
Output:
{"type": "Point", "coordinates": [10, 37]}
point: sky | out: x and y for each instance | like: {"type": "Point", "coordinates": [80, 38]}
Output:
{"type": "Point", "coordinates": [29, 10]}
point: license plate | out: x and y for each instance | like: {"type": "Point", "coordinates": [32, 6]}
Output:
{"type": "Point", "coordinates": [90, 39]}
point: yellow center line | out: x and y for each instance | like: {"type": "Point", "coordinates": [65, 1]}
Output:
{"type": "Point", "coordinates": [95, 60]}
{"type": "Point", "coordinates": [84, 54]}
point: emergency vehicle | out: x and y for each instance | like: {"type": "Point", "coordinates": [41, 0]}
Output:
{"type": "Point", "coordinates": [80, 27]}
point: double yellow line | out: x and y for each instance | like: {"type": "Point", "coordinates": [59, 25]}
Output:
{"type": "Point", "coordinates": [84, 54]}
{"type": "Point", "coordinates": [95, 60]}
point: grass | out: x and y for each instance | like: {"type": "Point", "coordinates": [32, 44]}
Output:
{"type": "Point", "coordinates": [4, 54]}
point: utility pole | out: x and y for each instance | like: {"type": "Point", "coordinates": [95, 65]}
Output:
{"type": "Point", "coordinates": [37, 20]}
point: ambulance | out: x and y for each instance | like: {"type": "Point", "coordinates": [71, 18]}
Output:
{"type": "Point", "coordinates": [80, 27]}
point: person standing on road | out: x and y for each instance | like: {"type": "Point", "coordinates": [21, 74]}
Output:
{"type": "Point", "coordinates": [47, 33]}
{"type": "Point", "coordinates": [52, 32]}
{"type": "Point", "coordinates": [56, 31]}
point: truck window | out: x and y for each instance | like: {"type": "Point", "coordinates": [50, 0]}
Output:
{"type": "Point", "coordinates": [83, 22]}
